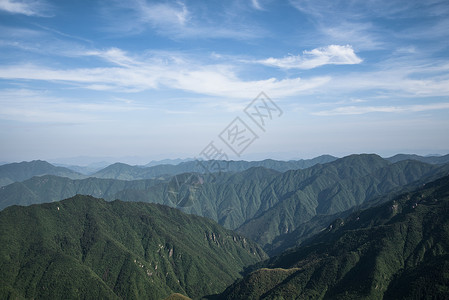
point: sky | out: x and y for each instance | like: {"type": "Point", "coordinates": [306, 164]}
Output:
{"type": "Point", "coordinates": [143, 80]}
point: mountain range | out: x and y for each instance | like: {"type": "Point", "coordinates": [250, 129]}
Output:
{"type": "Point", "coordinates": [10, 173]}
{"type": "Point", "coordinates": [398, 250]}
{"type": "Point", "coordinates": [15, 172]}
{"type": "Point", "coordinates": [87, 248]}
{"type": "Point", "coordinates": [358, 227]}
{"type": "Point", "coordinates": [265, 205]}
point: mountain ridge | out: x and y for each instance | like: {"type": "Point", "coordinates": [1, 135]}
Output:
{"type": "Point", "coordinates": [14, 172]}
{"type": "Point", "coordinates": [259, 203]}
{"type": "Point", "coordinates": [398, 250]}
{"type": "Point", "coordinates": [85, 247]}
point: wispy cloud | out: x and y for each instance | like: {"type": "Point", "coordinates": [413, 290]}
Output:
{"type": "Point", "coordinates": [363, 35]}
{"type": "Point", "coordinates": [330, 55]}
{"type": "Point", "coordinates": [360, 110]}
{"type": "Point", "coordinates": [162, 14]}
{"type": "Point", "coordinates": [396, 79]}
{"type": "Point", "coordinates": [130, 74]}
{"type": "Point", "coordinates": [40, 106]}
{"type": "Point", "coordinates": [28, 8]}
{"type": "Point", "coordinates": [256, 4]}
{"type": "Point", "coordinates": [175, 20]}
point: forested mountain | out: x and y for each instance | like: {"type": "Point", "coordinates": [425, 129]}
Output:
{"type": "Point", "coordinates": [50, 188]}
{"type": "Point", "coordinates": [14, 172]}
{"type": "Point", "coordinates": [399, 250]}
{"type": "Point", "coordinates": [298, 196]}
{"type": "Point", "coordinates": [17, 172]}
{"type": "Point", "coordinates": [260, 203]}
{"type": "Point", "coordinates": [87, 248]}
{"type": "Point", "coordinates": [119, 249]}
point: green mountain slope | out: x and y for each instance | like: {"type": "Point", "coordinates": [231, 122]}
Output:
{"type": "Point", "coordinates": [14, 172]}
{"type": "Point", "coordinates": [88, 248]}
{"type": "Point", "coordinates": [259, 203]}
{"type": "Point", "coordinates": [298, 196]}
{"type": "Point", "coordinates": [49, 188]}
{"type": "Point", "coordinates": [399, 250]}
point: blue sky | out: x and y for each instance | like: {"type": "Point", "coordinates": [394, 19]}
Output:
{"type": "Point", "coordinates": [141, 80]}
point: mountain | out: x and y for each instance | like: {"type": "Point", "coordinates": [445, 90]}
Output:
{"type": "Point", "coordinates": [87, 248]}
{"type": "Point", "coordinates": [85, 170]}
{"type": "Point", "coordinates": [14, 172]}
{"type": "Point", "coordinates": [317, 223]}
{"type": "Point", "coordinates": [399, 250]}
{"type": "Point", "coordinates": [295, 197]}
{"type": "Point", "coordinates": [175, 161]}
{"type": "Point", "coordinates": [263, 204]}
{"type": "Point", "coordinates": [127, 172]}
{"type": "Point", "coordinates": [49, 188]}
{"type": "Point", "coordinates": [438, 160]}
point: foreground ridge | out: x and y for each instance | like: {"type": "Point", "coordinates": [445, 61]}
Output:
{"type": "Point", "coordinates": [85, 247]}
{"type": "Point", "coordinates": [394, 251]}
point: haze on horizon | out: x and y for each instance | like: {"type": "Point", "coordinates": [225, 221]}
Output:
{"type": "Point", "coordinates": [149, 80]}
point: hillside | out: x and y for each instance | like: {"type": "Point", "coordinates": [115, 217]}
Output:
{"type": "Point", "coordinates": [14, 172]}
{"type": "Point", "coordinates": [88, 248]}
{"type": "Point", "coordinates": [298, 196]}
{"type": "Point", "coordinates": [259, 203]}
{"type": "Point", "coordinates": [50, 188]}
{"type": "Point", "coordinates": [399, 250]}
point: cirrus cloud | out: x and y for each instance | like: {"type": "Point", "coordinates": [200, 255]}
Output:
{"type": "Point", "coordinates": [330, 55]}
{"type": "Point", "coordinates": [28, 8]}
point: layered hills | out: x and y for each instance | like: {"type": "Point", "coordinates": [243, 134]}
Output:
{"type": "Point", "coordinates": [398, 250]}
{"type": "Point", "coordinates": [359, 227]}
{"type": "Point", "coordinates": [127, 172]}
{"type": "Point", "coordinates": [85, 247]}
{"type": "Point", "coordinates": [17, 172]}
{"type": "Point", "coordinates": [262, 204]}
{"type": "Point", "coordinates": [10, 173]}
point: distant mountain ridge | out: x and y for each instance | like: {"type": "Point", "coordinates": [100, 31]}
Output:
{"type": "Point", "coordinates": [438, 160]}
{"type": "Point", "coordinates": [175, 161]}
{"type": "Point", "coordinates": [262, 204]}
{"type": "Point", "coordinates": [127, 172]}
{"type": "Point", "coordinates": [15, 172]}
{"type": "Point", "coordinates": [86, 248]}
{"type": "Point", "coordinates": [10, 173]}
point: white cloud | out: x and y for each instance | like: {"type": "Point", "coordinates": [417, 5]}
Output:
{"type": "Point", "coordinates": [396, 79]}
{"type": "Point", "coordinates": [359, 110]}
{"type": "Point", "coordinates": [113, 55]}
{"type": "Point", "coordinates": [130, 74]}
{"type": "Point", "coordinates": [40, 106]}
{"type": "Point", "coordinates": [363, 35]}
{"type": "Point", "coordinates": [162, 14]}
{"type": "Point", "coordinates": [29, 8]}
{"type": "Point", "coordinates": [175, 20]}
{"type": "Point", "coordinates": [256, 4]}
{"type": "Point", "coordinates": [332, 54]}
